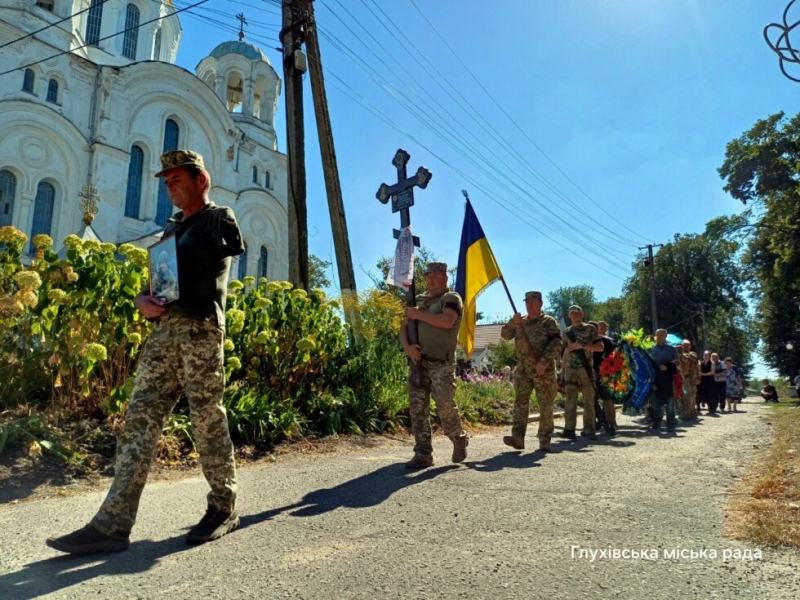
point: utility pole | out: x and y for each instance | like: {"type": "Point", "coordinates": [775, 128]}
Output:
{"type": "Point", "coordinates": [652, 268]}
{"type": "Point", "coordinates": [341, 241]}
{"type": "Point", "coordinates": [294, 65]}
{"type": "Point", "coordinates": [703, 320]}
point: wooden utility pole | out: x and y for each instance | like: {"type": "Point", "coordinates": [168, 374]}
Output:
{"type": "Point", "coordinates": [341, 241]}
{"type": "Point", "coordinates": [652, 268]}
{"type": "Point", "coordinates": [293, 68]}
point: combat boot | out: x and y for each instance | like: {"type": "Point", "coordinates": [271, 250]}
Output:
{"type": "Point", "coordinates": [568, 433]}
{"type": "Point", "coordinates": [516, 442]}
{"type": "Point", "coordinates": [460, 449]}
{"type": "Point", "coordinates": [544, 445]}
{"type": "Point", "coordinates": [89, 540]}
{"type": "Point", "coordinates": [420, 461]}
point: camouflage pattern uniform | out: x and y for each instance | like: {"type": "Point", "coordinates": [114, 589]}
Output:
{"type": "Point", "coordinates": [185, 355]}
{"type": "Point", "coordinates": [544, 346]}
{"type": "Point", "coordinates": [690, 369]}
{"type": "Point", "coordinates": [436, 374]}
{"type": "Point", "coordinates": [577, 377]}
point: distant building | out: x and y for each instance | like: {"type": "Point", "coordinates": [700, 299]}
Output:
{"type": "Point", "coordinates": [485, 335]}
{"type": "Point", "coordinates": [104, 113]}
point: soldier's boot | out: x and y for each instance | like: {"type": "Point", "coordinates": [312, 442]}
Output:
{"type": "Point", "coordinates": [420, 461]}
{"type": "Point", "coordinates": [515, 441]}
{"type": "Point", "coordinates": [568, 433]}
{"type": "Point", "coordinates": [89, 540]}
{"type": "Point", "coordinates": [544, 444]}
{"type": "Point", "coordinates": [460, 449]}
{"type": "Point", "coordinates": [214, 524]}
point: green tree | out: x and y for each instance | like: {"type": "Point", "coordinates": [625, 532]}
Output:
{"type": "Point", "coordinates": [318, 273]}
{"type": "Point", "coordinates": [612, 311]}
{"type": "Point", "coordinates": [761, 170]}
{"type": "Point", "coordinates": [502, 354]}
{"type": "Point", "coordinates": [559, 301]}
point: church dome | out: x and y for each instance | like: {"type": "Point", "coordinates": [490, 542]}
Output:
{"type": "Point", "coordinates": [246, 49]}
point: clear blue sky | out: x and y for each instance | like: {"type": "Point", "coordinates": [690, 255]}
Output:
{"type": "Point", "coordinates": [581, 129]}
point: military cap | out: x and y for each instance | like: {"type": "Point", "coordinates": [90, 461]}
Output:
{"type": "Point", "coordinates": [180, 158]}
{"type": "Point", "coordinates": [533, 296]}
{"type": "Point", "coordinates": [436, 267]}
{"type": "Point", "coordinates": [575, 308]}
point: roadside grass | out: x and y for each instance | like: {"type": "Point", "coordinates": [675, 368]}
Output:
{"type": "Point", "coordinates": [766, 509]}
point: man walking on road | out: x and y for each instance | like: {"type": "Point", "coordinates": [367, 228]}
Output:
{"type": "Point", "coordinates": [183, 355]}
{"type": "Point", "coordinates": [667, 361]}
{"type": "Point", "coordinates": [609, 412]}
{"type": "Point", "coordinates": [536, 340]}
{"type": "Point", "coordinates": [438, 312]}
{"type": "Point", "coordinates": [690, 369]}
{"type": "Point", "coordinates": [580, 340]}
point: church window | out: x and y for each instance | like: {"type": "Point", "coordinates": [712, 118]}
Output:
{"type": "Point", "coordinates": [42, 211]}
{"type": "Point", "coordinates": [255, 174]}
{"type": "Point", "coordinates": [28, 80]}
{"type": "Point", "coordinates": [133, 196]}
{"type": "Point", "coordinates": [93, 22]}
{"type": "Point", "coordinates": [131, 38]}
{"type": "Point", "coordinates": [267, 181]}
{"type": "Point", "coordinates": [8, 189]}
{"type": "Point", "coordinates": [242, 265]}
{"type": "Point", "coordinates": [157, 46]}
{"type": "Point", "coordinates": [262, 262]}
{"type": "Point", "coordinates": [164, 205]}
{"type": "Point", "coordinates": [52, 91]}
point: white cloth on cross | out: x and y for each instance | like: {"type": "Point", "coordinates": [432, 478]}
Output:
{"type": "Point", "coordinates": [401, 273]}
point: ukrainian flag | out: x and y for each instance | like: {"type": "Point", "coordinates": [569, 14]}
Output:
{"type": "Point", "coordinates": [477, 269]}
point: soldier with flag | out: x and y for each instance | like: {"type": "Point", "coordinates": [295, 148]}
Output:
{"type": "Point", "coordinates": [537, 342]}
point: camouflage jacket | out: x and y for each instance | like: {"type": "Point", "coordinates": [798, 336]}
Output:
{"type": "Point", "coordinates": [690, 368]}
{"type": "Point", "coordinates": [543, 334]}
{"type": "Point", "coordinates": [584, 334]}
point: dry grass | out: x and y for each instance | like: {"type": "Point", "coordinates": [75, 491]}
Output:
{"type": "Point", "coordinates": [766, 508]}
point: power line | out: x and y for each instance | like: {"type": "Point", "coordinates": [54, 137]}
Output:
{"type": "Point", "coordinates": [72, 50]}
{"type": "Point", "coordinates": [521, 130]}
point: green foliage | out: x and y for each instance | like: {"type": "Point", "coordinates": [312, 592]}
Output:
{"type": "Point", "coordinates": [762, 168]}
{"type": "Point", "coordinates": [559, 301]}
{"type": "Point", "coordinates": [318, 273]}
{"type": "Point", "coordinates": [488, 402]}
{"type": "Point", "coordinates": [612, 311]}
{"type": "Point", "coordinates": [502, 354]}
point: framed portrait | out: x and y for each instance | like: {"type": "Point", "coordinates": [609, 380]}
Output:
{"type": "Point", "coordinates": [164, 269]}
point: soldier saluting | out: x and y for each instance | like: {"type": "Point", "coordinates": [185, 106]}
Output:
{"type": "Point", "coordinates": [536, 340]}
{"type": "Point", "coordinates": [438, 312]}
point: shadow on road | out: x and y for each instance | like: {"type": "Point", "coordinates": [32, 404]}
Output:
{"type": "Point", "coordinates": [58, 573]}
{"type": "Point", "coordinates": [508, 460]}
{"type": "Point", "coordinates": [368, 490]}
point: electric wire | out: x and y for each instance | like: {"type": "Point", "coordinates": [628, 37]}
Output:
{"type": "Point", "coordinates": [519, 128]}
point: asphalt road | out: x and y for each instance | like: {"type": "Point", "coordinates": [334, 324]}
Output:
{"type": "Point", "coordinates": [503, 525]}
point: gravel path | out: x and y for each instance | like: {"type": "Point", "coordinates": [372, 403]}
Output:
{"type": "Point", "coordinates": [504, 525]}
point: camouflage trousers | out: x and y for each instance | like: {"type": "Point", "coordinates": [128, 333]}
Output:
{"type": "Point", "coordinates": [577, 379]}
{"type": "Point", "coordinates": [181, 356]}
{"type": "Point", "coordinates": [436, 378]}
{"type": "Point", "coordinates": [688, 404]}
{"type": "Point", "coordinates": [546, 387]}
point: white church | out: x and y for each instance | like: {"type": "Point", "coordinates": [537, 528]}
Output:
{"type": "Point", "coordinates": [85, 116]}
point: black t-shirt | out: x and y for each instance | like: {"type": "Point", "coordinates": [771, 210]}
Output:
{"type": "Point", "coordinates": [770, 392]}
{"type": "Point", "coordinates": [206, 240]}
{"type": "Point", "coordinates": [608, 348]}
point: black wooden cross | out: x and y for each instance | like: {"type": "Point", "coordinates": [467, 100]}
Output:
{"type": "Point", "coordinates": [402, 195]}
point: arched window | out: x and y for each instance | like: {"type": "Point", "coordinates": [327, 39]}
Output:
{"type": "Point", "coordinates": [164, 205]}
{"type": "Point", "coordinates": [133, 196]}
{"type": "Point", "coordinates": [157, 46]}
{"type": "Point", "coordinates": [93, 22]}
{"type": "Point", "coordinates": [28, 80]}
{"type": "Point", "coordinates": [242, 265]}
{"type": "Point", "coordinates": [267, 181]}
{"type": "Point", "coordinates": [8, 189]}
{"type": "Point", "coordinates": [255, 174]}
{"type": "Point", "coordinates": [43, 210]}
{"type": "Point", "coordinates": [131, 37]}
{"type": "Point", "coordinates": [52, 91]}
{"type": "Point", "coordinates": [262, 262]}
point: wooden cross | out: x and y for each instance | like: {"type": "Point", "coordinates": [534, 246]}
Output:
{"type": "Point", "coordinates": [242, 23]}
{"type": "Point", "coordinates": [402, 195]}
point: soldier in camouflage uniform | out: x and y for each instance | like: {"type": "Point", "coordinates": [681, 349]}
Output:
{"type": "Point", "coordinates": [183, 355]}
{"type": "Point", "coordinates": [438, 314]}
{"type": "Point", "coordinates": [690, 368]}
{"type": "Point", "coordinates": [580, 340]}
{"type": "Point", "coordinates": [537, 342]}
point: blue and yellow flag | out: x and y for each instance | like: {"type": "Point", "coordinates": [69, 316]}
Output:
{"type": "Point", "coordinates": [477, 269]}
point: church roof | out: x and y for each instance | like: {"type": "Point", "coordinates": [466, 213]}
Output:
{"type": "Point", "coordinates": [246, 49]}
